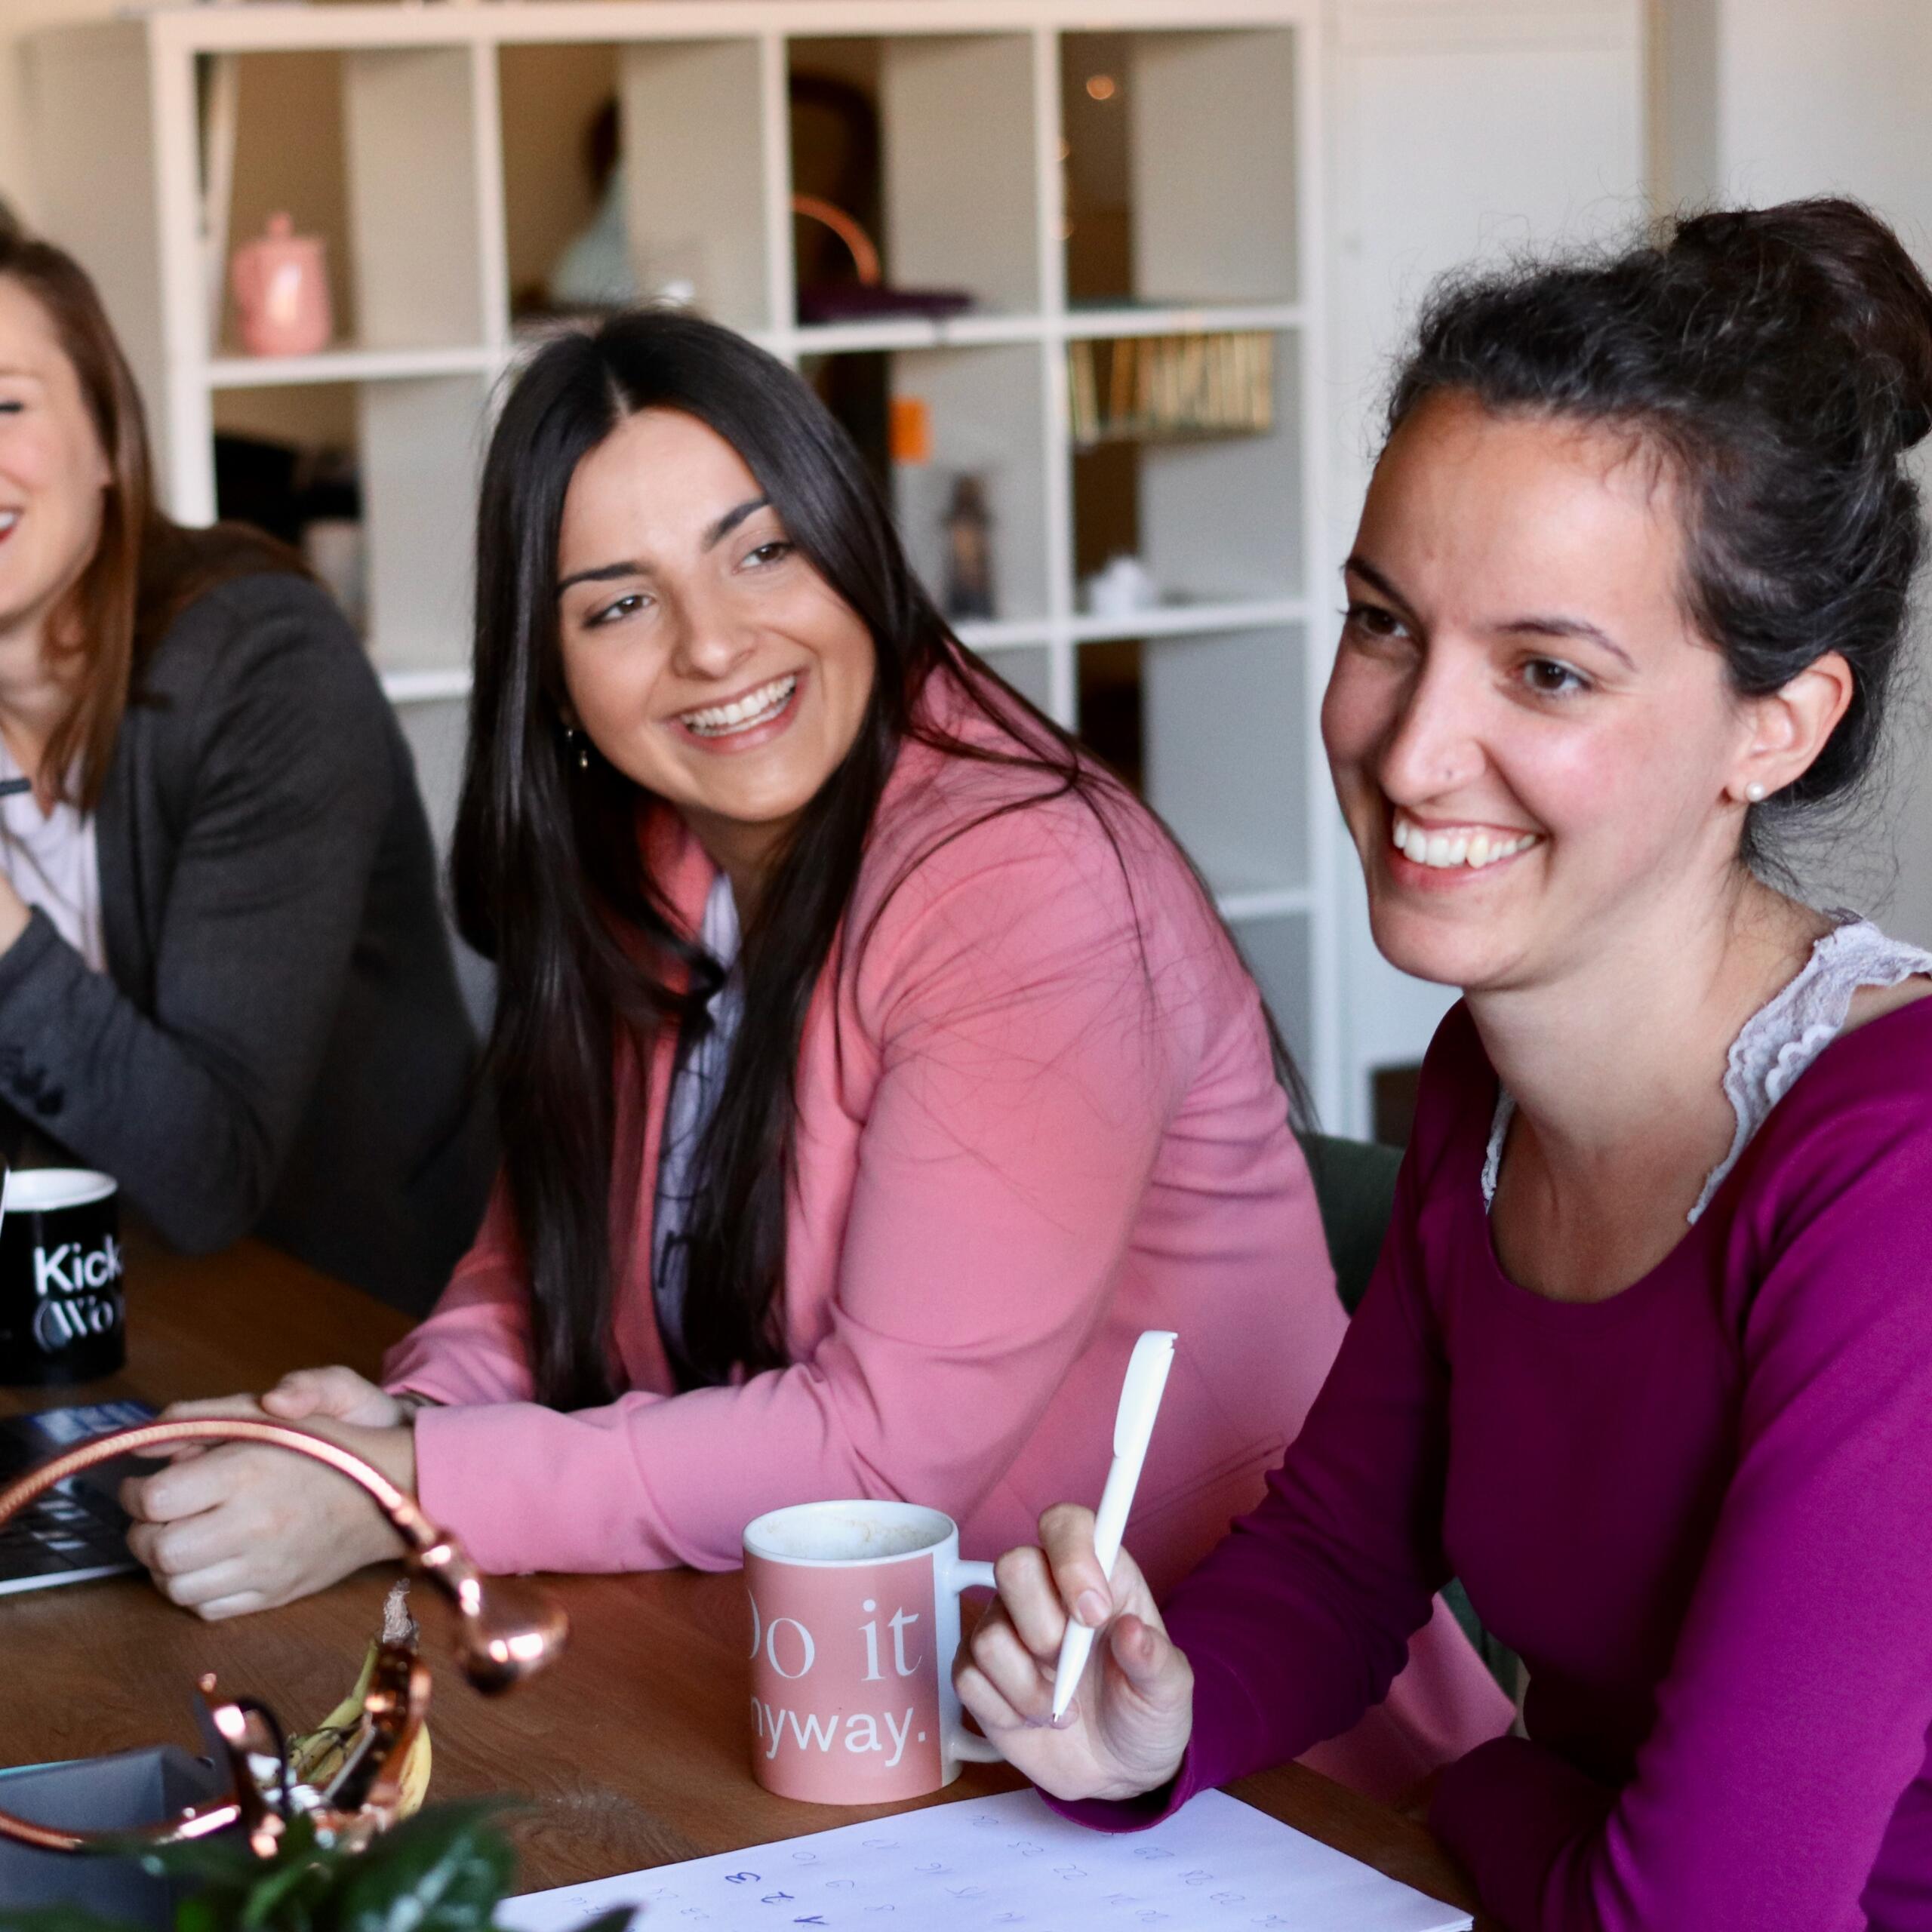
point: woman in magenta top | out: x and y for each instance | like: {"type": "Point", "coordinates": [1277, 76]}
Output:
{"type": "Point", "coordinates": [872, 1067]}
{"type": "Point", "coordinates": [1647, 1361]}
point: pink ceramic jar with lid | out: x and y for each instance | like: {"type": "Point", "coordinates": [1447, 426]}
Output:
{"type": "Point", "coordinates": [281, 292]}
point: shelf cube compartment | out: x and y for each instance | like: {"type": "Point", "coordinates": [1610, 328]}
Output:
{"type": "Point", "coordinates": [387, 173]}
{"type": "Point", "coordinates": [635, 172]}
{"type": "Point", "coordinates": [967, 435]}
{"type": "Point", "coordinates": [1210, 728]}
{"type": "Point", "coordinates": [1180, 177]}
{"type": "Point", "coordinates": [376, 482]}
{"type": "Point", "coordinates": [422, 451]}
{"type": "Point", "coordinates": [1213, 519]}
{"type": "Point", "coordinates": [693, 142]}
{"type": "Point", "coordinates": [287, 459]}
{"type": "Point", "coordinates": [836, 160]}
{"type": "Point", "coordinates": [1277, 949]}
{"type": "Point", "coordinates": [919, 151]}
{"type": "Point", "coordinates": [566, 243]}
{"type": "Point", "coordinates": [266, 94]}
{"type": "Point", "coordinates": [415, 156]}
{"type": "Point", "coordinates": [961, 166]}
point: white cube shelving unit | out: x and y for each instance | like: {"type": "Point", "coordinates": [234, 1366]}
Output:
{"type": "Point", "coordinates": [1224, 212]}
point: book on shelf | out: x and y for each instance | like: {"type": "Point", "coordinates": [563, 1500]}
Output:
{"type": "Point", "coordinates": [1167, 387]}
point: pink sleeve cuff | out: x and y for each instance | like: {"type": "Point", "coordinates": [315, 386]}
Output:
{"type": "Point", "coordinates": [526, 1488]}
{"type": "Point", "coordinates": [463, 1357]}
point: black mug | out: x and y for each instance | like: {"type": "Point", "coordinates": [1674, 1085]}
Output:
{"type": "Point", "coordinates": [62, 1314]}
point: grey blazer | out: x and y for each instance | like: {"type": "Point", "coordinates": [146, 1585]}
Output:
{"type": "Point", "coordinates": [278, 1046]}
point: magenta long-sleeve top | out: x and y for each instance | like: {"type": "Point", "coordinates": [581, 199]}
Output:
{"type": "Point", "coordinates": [1701, 1510]}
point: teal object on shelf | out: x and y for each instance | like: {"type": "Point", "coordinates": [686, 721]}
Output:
{"type": "Point", "coordinates": [595, 271]}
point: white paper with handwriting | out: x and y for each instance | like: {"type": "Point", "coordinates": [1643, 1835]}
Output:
{"type": "Point", "coordinates": [1217, 1866]}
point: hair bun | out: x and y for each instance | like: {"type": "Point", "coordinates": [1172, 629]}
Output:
{"type": "Point", "coordinates": [1829, 265]}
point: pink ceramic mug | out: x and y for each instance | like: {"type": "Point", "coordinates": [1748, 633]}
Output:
{"type": "Point", "coordinates": [855, 1620]}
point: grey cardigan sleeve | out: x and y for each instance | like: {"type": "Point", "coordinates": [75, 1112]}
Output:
{"type": "Point", "coordinates": [193, 1100]}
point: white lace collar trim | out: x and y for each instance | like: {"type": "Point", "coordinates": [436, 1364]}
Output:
{"type": "Point", "coordinates": [1778, 1042]}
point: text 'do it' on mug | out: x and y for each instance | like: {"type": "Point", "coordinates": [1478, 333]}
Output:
{"type": "Point", "coordinates": [854, 1624]}
{"type": "Point", "coordinates": [62, 1312]}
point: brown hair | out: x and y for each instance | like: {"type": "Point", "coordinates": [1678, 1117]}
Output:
{"type": "Point", "coordinates": [145, 569]}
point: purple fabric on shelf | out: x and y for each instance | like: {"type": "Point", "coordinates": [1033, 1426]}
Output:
{"type": "Point", "coordinates": [1700, 1511]}
{"type": "Point", "coordinates": [843, 303]}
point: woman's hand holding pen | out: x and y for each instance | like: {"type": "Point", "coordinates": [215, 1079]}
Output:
{"type": "Point", "coordinates": [1128, 1725]}
{"type": "Point", "coordinates": [241, 1526]}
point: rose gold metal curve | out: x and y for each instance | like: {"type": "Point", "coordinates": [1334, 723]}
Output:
{"type": "Point", "coordinates": [863, 251]}
{"type": "Point", "coordinates": [506, 1630]}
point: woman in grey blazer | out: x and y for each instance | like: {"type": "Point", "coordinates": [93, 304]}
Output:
{"type": "Point", "coordinates": [224, 978]}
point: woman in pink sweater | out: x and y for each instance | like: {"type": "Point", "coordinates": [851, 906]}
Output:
{"type": "Point", "coordinates": [872, 1068]}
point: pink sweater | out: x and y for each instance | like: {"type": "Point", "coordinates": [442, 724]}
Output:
{"type": "Point", "coordinates": [1036, 1115]}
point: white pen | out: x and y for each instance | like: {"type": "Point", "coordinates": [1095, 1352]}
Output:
{"type": "Point", "coordinates": [1133, 1427]}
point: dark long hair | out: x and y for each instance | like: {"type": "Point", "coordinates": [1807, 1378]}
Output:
{"type": "Point", "coordinates": [1780, 360]}
{"type": "Point", "coordinates": [549, 879]}
{"type": "Point", "coordinates": [146, 569]}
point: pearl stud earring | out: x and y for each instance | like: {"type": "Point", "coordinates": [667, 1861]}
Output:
{"type": "Point", "coordinates": [1755, 792]}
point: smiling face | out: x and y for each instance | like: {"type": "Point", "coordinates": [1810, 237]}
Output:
{"type": "Point", "coordinates": [1533, 750]}
{"type": "Point", "coordinates": [52, 468]}
{"type": "Point", "coordinates": [704, 656]}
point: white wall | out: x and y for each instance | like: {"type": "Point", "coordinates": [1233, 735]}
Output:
{"type": "Point", "coordinates": [1762, 100]}
{"type": "Point", "coordinates": [1806, 96]}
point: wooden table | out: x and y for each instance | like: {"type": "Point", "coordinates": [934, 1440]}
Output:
{"type": "Point", "coordinates": [632, 1748]}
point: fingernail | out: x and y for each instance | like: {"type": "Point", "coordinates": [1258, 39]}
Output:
{"type": "Point", "coordinates": [1091, 1609]}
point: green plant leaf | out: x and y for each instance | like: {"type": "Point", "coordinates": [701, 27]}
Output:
{"type": "Point", "coordinates": [223, 1864]}
{"type": "Point", "coordinates": [445, 1870]}
{"type": "Point", "coordinates": [292, 1883]}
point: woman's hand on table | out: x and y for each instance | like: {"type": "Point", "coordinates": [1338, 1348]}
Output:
{"type": "Point", "coordinates": [335, 1394]}
{"type": "Point", "coordinates": [242, 1526]}
{"type": "Point", "coordinates": [1127, 1726]}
